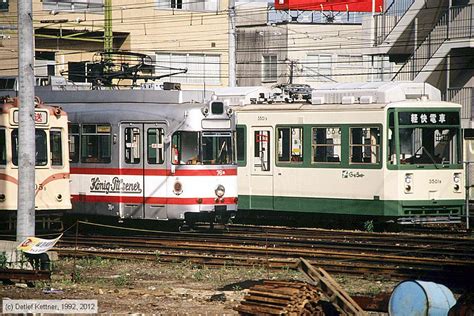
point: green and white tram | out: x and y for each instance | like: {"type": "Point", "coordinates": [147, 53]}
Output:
{"type": "Point", "coordinates": [389, 151]}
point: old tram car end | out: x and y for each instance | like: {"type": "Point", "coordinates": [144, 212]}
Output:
{"type": "Point", "coordinates": [150, 155]}
{"type": "Point", "coordinates": [52, 194]}
{"type": "Point", "coordinates": [382, 152]}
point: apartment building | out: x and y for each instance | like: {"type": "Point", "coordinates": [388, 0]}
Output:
{"type": "Point", "coordinates": [305, 47]}
{"type": "Point", "coordinates": [180, 34]}
{"type": "Point", "coordinates": [431, 41]}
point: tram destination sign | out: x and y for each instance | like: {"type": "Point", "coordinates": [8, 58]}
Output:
{"type": "Point", "coordinates": [41, 117]}
{"type": "Point", "coordinates": [428, 118]}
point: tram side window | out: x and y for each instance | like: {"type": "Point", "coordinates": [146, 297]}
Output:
{"type": "Point", "coordinates": [262, 150]}
{"type": "Point", "coordinates": [327, 144]}
{"type": "Point", "coordinates": [155, 141]}
{"type": "Point", "coordinates": [95, 143]}
{"type": "Point", "coordinates": [56, 148]}
{"type": "Point", "coordinates": [290, 140]}
{"type": "Point", "coordinates": [132, 145]}
{"type": "Point", "coordinates": [365, 145]}
{"type": "Point", "coordinates": [41, 147]}
{"type": "Point", "coordinates": [74, 143]}
{"type": "Point", "coordinates": [3, 148]}
{"type": "Point", "coordinates": [241, 137]}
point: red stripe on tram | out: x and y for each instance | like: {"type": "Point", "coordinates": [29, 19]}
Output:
{"type": "Point", "coordinates": [154, 172]}
{"type": "Point", "coordinates": [148, 200]}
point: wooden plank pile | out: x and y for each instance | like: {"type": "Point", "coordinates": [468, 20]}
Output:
{"type": "Point", "coordinates": [281, 298]}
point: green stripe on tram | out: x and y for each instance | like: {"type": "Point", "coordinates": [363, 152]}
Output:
{"type": "Point", "coordinates": [373, 207]}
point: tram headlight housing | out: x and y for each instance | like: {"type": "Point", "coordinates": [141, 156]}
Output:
{"type": "Point", "coordinates": [457, 181]}
{"type": "Point", "coordinates": [205, 111]}
{"type": "Point", "coordinates": [408, 182]}
{"type": "Point", "coordinates": [177, 188]}
{"type": "Point", "coordinates": [2, 197]}
{"type": "Point", "coordinates": [220, 191]}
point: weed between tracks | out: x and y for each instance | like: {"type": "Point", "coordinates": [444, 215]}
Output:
{"type": "Point", "coordinates": [174, 288]}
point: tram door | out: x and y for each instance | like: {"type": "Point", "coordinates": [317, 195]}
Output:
{"type": "Point", "coordinates": [261, 176]}
{"type": "Point", "coordinates": [142, 171]}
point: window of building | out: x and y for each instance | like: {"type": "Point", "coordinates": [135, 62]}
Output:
{"type": "Point", "coordinates": [290, 144]}
{"type": "Point", "coordinates": [327, 144]}
{"type": "Point", "coordinates": [194, 5]}
{"type": "Point", "coordinates": [3, 147]}
{"type": "Point", "coordinates": [3, 5]}
{"type": "Point", "coordinates": [318, 68]}
{"type": "Point", "coordinates": [41, 147]}
{"type": "Point", "coordinates": [155, 141]}
{"type": "Point", "coordinates": [269, 68]}
{"type": "Point", "coordinates": [56, 148]}
{"type": "Point", "coordinates": [241, 144]}
{"type": "Point", "coordinates": [96, 143]}
{"type": "Point", "coordinates": [201, 68]}
{"type": "Point", "coordinates": [347, 63]}
{"type": "Point", "coordinates": [132, 150]}
{"type": "Point", "coordinates": [365, 145]}
{"type": "Point", "coordinates": [74, 5]}
{"type": "Point", "coordinates": [74, 143]}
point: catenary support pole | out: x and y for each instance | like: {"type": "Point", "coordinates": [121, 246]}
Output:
{"type": "Point", "coordinates": [26, 150]}
{"type": "Point", "coordinates": [232, 40]}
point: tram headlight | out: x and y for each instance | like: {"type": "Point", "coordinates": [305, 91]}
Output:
{"type": "Point", "coordinates": [220, 191]}
{"type": "Point", "coordinates": [457, 178]}
{"type": "Point", "coordinates": [205, 111]}
{"type": "Point", "coordinates": [408, 182]}
{"type": "Point", "coordinates": [2, 197]}
{"type": "Point", "coordinates": [177, 188]}
{"type": "Point", "coordinates": [457, 181]}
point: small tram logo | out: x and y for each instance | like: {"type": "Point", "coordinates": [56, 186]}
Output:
{"type": "Point", "coordinates": [117, 185]}
{"type": "Point", "coordinates": [351, 174]}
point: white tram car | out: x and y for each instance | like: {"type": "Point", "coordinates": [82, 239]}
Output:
{"type": "Point", "coordinates": [149, 154]}
{"type": "Point", "coordinates": [375, 150]}
{"type": "Point", "coordinates": [52, 195]}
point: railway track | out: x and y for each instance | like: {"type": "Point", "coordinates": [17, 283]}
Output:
{"type": "Point", "coordinates": [440, 259]}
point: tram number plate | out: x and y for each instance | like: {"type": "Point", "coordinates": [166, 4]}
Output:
{"type": "Point", "coordinates": [434, 181]}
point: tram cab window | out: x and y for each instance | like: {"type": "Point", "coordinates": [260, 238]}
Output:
{"type": "Point", "coordinates": [96, 143]}
{"type": "Point", "coordinates": [217, 148]}
{"type": "Point", "coordinates": [132, 150]}
{"type": "Point", "coordinates": [365, 145]}
{"type": "Point", "coordinates": [41, 147]}
{"type": "Point", "coordinates": [74, 143]}
{"type": "Point", "coordinates": [55, 143]}
{"type": "Point", "coordinates": [326, 144]}
{"type": "Point", "coordinates": [185, 148]}
{"type": "Point", "coordinates": [155, 141]}
{"type": "Point", "coordinates": [290, 144]}
{"type": "Point", "coordinates": [429, 145]}
{"type": "Point", "coordinates": [3, 148]}
{"type": "Point", "coordinates": [196, 148]}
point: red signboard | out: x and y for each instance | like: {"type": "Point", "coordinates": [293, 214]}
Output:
{"type": "Point", "coordinates": [330, 5]}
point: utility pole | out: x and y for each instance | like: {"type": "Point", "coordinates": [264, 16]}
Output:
{"type": "Point", "coordinates": [26, 150]}
{"type": "Point", "coordinates": [108, 34]}
{"type": "Point", "coordinates": [232, 40]}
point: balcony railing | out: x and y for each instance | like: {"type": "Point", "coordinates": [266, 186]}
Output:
{"type": "Point", "coordinates": [463, 96]}
{"type": "Point", "coordinates": [456, 23]}
{"type": "Point", "coordinates": [386, 21]}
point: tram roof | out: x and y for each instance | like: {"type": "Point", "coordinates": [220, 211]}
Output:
{"type": "Point", "coordinates": [343, 107]}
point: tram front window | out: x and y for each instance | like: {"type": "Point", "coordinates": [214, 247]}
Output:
{"type": "Point", "coordinates": [41, 147]}
{"type": "Point", "coordinates": [217, 148]}
{"type": "Point", "coordinates": [429, 145]}
{"type": "Point", "coordinates": [207, 148]}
